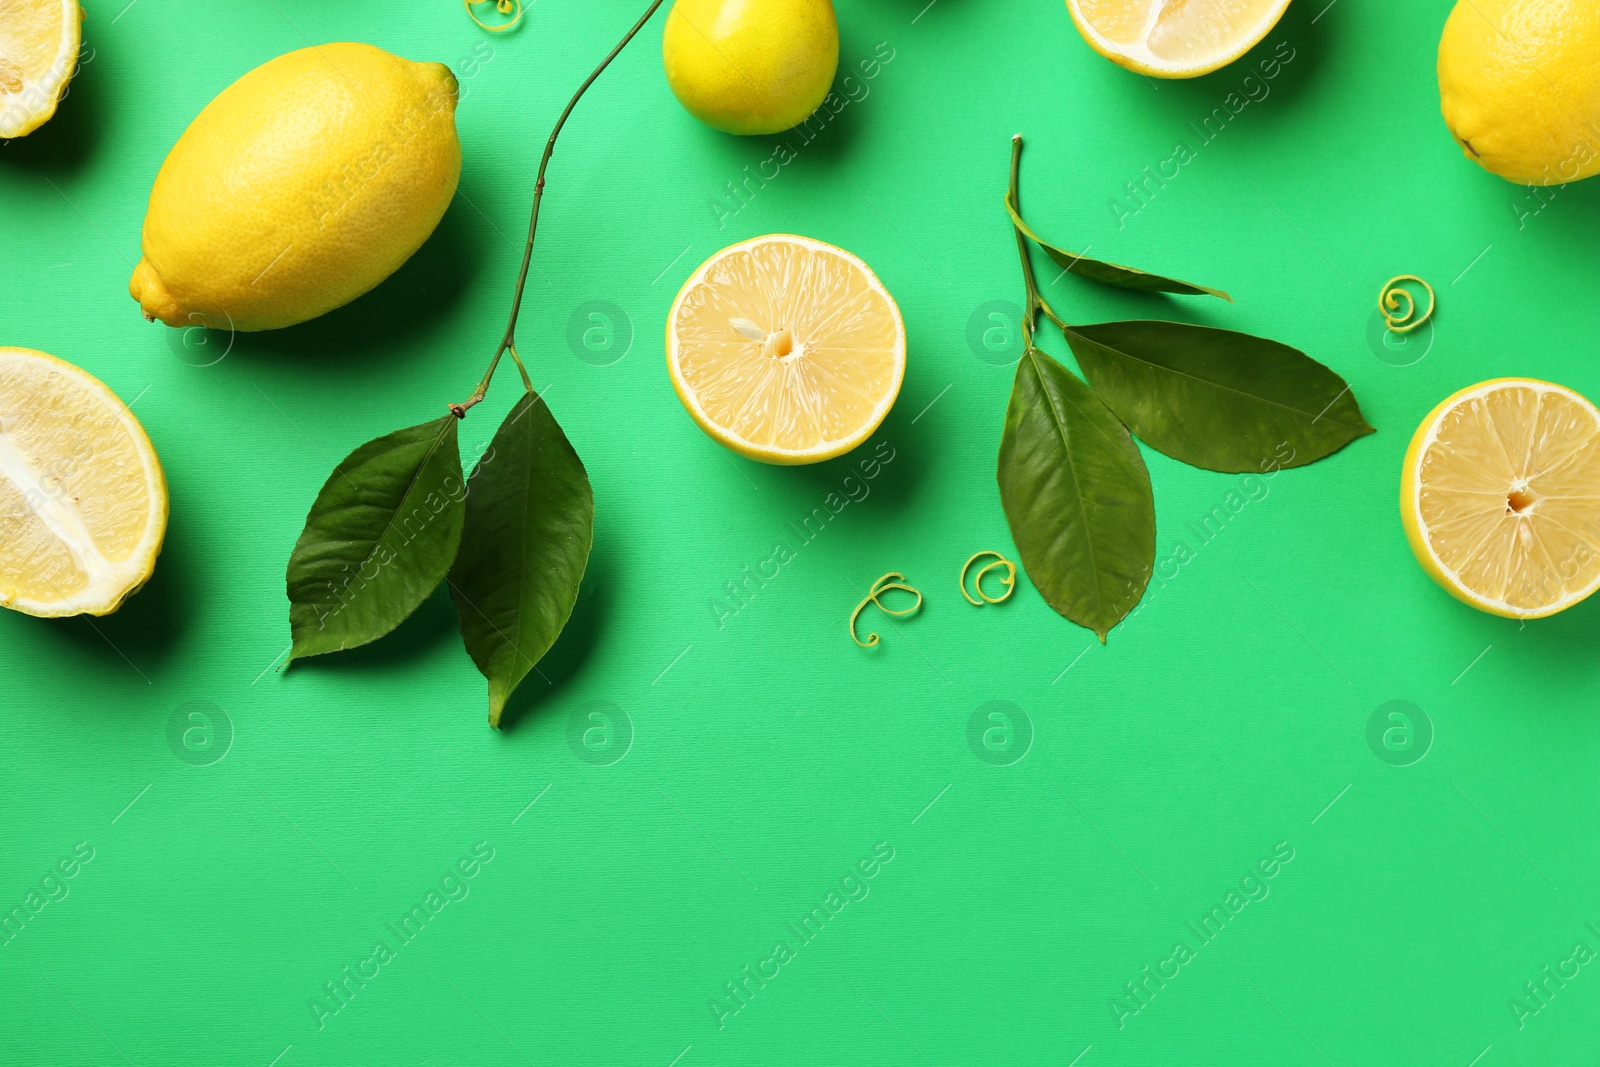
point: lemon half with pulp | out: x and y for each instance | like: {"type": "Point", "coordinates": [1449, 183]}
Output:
{"type": "Point", "coordinates": [1174, 38]}
{"type": "Point", "coordinates": [83, 501]}
{"type": "Point", "coordinates": [39, 41]}
{"type": "Point", "coordinates": [786, 349]}
{"type": "Point", "coordinates": [1500, 497]}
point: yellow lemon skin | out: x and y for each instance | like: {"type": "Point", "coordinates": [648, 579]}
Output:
{"type": "Point", "coordinates": [301, 186]}
{"type": "Point", "coordinates": [750, 66]}
{"type": "Point", "coordinates": [1519, 85]}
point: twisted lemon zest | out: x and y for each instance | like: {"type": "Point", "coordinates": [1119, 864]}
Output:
{"type": "Point", "coordinates": [505, 7]}
{"type": "Point", "coordinates": [1009, 581]}
{"type": "Point", "coordinates": [892, 580]}
{"type": "Point", "coordinates": [1390, 298]}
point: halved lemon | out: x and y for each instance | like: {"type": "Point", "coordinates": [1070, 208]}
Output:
{"type": "Point", "coordinates": [785, 349]}
{"type": "Point", "coordinates": [1500, 497]}
{"type": "Point", "coordinates": [83, 502]}
{"type": "Point", "coordinates": [39, 42]}
{"type": "Point", "coordinates": [1174, 38]}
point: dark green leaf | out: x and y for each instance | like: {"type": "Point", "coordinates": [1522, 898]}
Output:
{"type": "Point", "coordinates": [530, 522]}
{"type": "Point", "coordinates": [1218, 399]}
{"type": "Point", "coordinates": [1077, 496]}
{"type": "Point", "coordinates": [1111, 273]}
{"type": "Point", "coordinates": [379, 539]}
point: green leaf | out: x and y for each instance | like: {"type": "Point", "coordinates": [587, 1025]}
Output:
{"type": "Point", "coordinates": [1077, 496]}
{"type": "Point", "coordinates": [380, 538]}
{"type": "Point", "coordinates": [530, 523]}
{"type": "Point", "coordinates": [1218, 399]}
{"type": "Point", "coordinates": [1111, 273]}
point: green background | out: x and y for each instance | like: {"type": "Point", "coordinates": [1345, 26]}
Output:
{"type": "Point", "coordinates": [767, 756]}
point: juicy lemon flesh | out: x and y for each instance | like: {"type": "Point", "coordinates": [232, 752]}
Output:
{"type": "Point", "coordinates": [83, 502]}
{"type": "Point", "coordinates": [1509, 500]}
{"type": "Point", "coordinates": [788, 352]}
{"type": "Point", "coordinates": [1175, 38]}
{"type": "Point", "coordinates": [38, 53]}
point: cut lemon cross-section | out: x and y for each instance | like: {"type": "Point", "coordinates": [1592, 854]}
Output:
{"type": "Point", "coordinates": [785, 349]}
{"type": "Point", "coordinates": [83, 502]}
{"type": "Point", "coordinates": [39, 42]}
{"type": "Point", "coordinates": [1174, 38]}
{"type": "Point", "coordinates": [1500, 497]}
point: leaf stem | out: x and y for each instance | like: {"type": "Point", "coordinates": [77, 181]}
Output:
{"type": "Point", "coordinates": [508, 341]}
{"type": "Point", "coordinates": [1036, 301]}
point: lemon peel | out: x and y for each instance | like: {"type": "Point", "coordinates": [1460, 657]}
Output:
{"type": "Point", "coordinates": [505, 7]}
{"type": "Point", "coordinates": [892, 580]}
{"type": "Point", "coordinates": [1009, 580]}
{"type": "Point", "coordinates": [1391, 297]}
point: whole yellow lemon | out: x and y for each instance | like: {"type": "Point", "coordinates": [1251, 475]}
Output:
{"type": "Point", "coordinates": [1519, 82]}
{"type": "Point", "coordinates": [750, 66]}
{"type": "Point", "coordinates": [301, 186]}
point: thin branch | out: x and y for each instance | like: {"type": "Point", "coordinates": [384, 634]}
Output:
{"type": "Point", "coordinates": [507, 341]}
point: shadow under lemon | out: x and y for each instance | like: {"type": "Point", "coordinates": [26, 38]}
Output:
{"type": "Point", "coordinates": [545, 684]}
{"type": "Point", "coordinates": [885, 469]}
{"type": "Point", "coordinates": [407, 307]}
{"type": "Point", "coordinates": [1562, 645]}
{"type": "Point", "coordinates": [147, 629]}
{"type": "Point", "coordinates": [65, 142]}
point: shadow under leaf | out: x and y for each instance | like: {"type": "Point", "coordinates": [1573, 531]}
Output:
{"type": "Point", "coordinates": [432, 624]}
{"type": "Point", "coordinates": [566, 658]}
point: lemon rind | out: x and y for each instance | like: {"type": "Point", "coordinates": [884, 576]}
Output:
{"type": "Point", "coordinates": [125, 578]}
{"type": "Point", "coordinates": [1427, 434]}
{"type": "Point", "coordinates": [767, 453]}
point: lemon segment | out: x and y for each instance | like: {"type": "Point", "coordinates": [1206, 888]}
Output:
{"type": "Point", "coordinates": [785, 349]}
{"type": "Point", "coordinates": [83, 501]}
{"type": "Point", "coordinates": [1174, 38]}
{"type": "Point", "coordinates": [39, 42]}
{"type": "Point", "coordinates": [1500, 497]}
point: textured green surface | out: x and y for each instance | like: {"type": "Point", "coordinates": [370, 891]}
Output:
{"type": "Point", "coordinates": [769, 755]}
